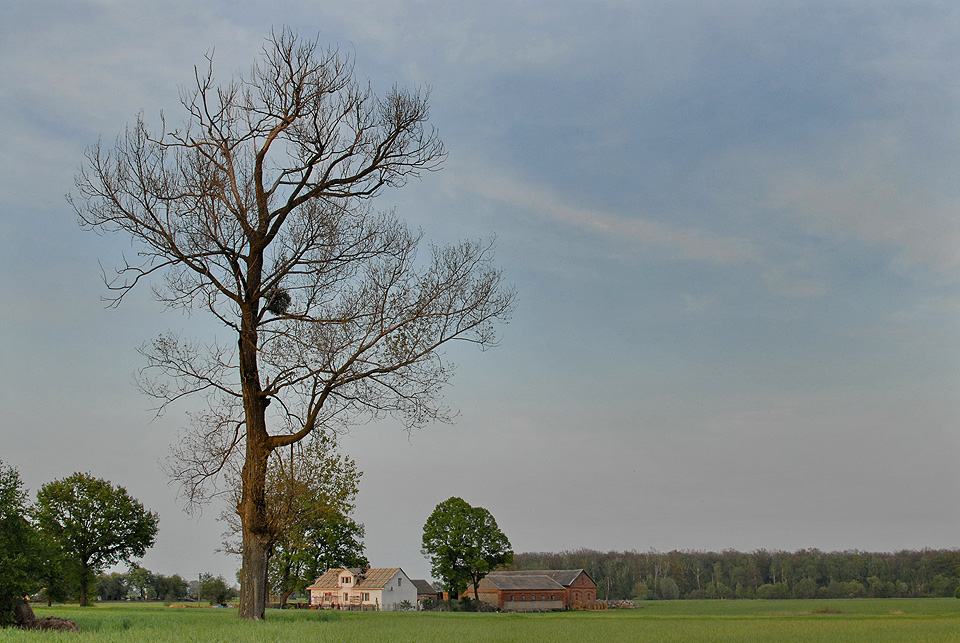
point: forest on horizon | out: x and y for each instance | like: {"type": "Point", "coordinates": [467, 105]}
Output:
{"type": "Point", "coordinates": [807, 573]}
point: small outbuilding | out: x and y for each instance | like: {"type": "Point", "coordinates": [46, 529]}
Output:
{"type": "Point", "coordinates": [427, 594]}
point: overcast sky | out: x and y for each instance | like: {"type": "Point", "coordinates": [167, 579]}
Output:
{"type": "Point", "coordinates": [734, 228]}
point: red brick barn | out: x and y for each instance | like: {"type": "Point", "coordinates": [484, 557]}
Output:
{"type": "Point", "coordinates": [536, 590]}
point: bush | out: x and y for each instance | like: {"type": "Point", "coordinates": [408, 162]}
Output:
{"type": "Point", "coordinates": [854, 589]}
{"type": "Point", "coordinates": [773, 592]}
{"type": "Point", "coordinates": [806, 588]}
{"type": "Point", "coordinates": [669, 590]}
{"type": "Point", "coordinates": [641, 592]}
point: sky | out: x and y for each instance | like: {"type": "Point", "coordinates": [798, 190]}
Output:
{"type": "Point", "coordinates": [732, 227]}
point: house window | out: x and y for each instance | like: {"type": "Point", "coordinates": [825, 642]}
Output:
{"type": "Point", "coordinates": [543, 597]}
{"type": "Point", "coordinates": [366, 596]}
{"type": "Point", "coordinates": [345, 580]}
{"type": "Point", "coordinates": [523, 598]}
{"type": "Point", "coordinates": [399, 582]}
{"type": "Point", "coordinates": [553, 597]}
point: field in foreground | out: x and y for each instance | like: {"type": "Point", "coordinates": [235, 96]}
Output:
{"type": "Point", "coordinates": [867, 620]}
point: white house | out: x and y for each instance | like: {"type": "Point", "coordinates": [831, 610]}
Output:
{"type": "Point", "coordinates": [373, 588]}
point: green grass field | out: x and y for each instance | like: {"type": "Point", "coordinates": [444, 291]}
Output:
{"type": "Point", "coordinates": [867, 620]}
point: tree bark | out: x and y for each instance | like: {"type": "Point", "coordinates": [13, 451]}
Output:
{"type": "Point", "coordinates": [84, 585]}
{"type": "Point", "coordinates": [253, 518]}
{"type": "Point", "coordinates": [253, 598]}
{"type": "Point", "coordinates": [256, 536]}
{"type": "Point", "coordinates": [253, 501]}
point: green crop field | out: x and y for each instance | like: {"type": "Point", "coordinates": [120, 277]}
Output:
{"type": "Point", "coordinates": [867, 620]}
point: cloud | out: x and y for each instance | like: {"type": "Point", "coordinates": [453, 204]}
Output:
{"type": "Point", "coordinates": [694, 305]}
{"type": "Point", "coordinates": [686, 242]}
{"type": "Point", "coordinates": [785, 280]}
{"type": "Point", "coordinates": [863, 191]}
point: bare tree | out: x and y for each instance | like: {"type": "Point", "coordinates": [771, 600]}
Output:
{"type": "Point", "coordinates": [258, 210]}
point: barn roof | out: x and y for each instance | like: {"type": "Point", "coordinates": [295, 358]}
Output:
{"type": "Point", "coordinates": [529, 582]}
{"type": "Point", "coordinates": [563, 576]}
{"type": "Point", "coordinates": [423, 587]}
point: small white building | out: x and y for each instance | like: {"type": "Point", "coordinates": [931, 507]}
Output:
{"type": "Point", "coordinates": [373, 588]}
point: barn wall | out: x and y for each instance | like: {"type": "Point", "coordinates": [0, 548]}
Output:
{"type": "Point", "coordinates": [532, 606]}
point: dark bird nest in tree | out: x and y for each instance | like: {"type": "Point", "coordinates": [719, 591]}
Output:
{"type": "Point", "coordinates": [277, 301]}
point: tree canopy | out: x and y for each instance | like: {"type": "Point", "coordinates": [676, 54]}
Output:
{"type": "Point", "coordinates": [257, 209]}
{"type": "Point", "coordinates": [463, 543]}
{"type": "Point", "coordinates": [95, 524]}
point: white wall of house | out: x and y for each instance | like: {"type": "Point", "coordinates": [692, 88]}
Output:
{"type": "Point", "coordinates": [396, 591]}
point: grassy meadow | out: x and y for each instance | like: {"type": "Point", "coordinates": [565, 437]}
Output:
{"type": "Point", "coordinates": [866, 620]}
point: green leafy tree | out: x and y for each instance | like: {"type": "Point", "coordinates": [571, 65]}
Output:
{"type": "Point", "coordinates": [311, 492]}
{"type": "Point", "coordinates": [463, 543]}
{"type": "Point", "coordinates": [112, 587]}
{"type": "Point", "coordinates": [336, 541]}
{"type": "Point", "coordinates": [19, 562]}
{"type": "Point", "coordinates": [141, 580]}
{"type": "Point", "coordinates": [258, 209]}
{"type": "Point", "coordinates": [215, 590]}
{"type": "Point", "coordinates": [57, 575]}
{"type": "Point", "coordinates": [170, 588]}
{"type": "Point", "coordinates": [640, 591]}
{"type": "Point", "coordinates": [95, 525]}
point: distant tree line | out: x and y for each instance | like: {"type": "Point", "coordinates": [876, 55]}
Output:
{"type": "Point", "coordinates": [140, 584]}
{"type": "Point", "coordinates": [807, 573]}
{"type": "Point", "coordinates": [143, 585]}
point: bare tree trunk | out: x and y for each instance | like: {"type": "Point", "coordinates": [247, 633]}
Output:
{"type": "Point", "coordinates": [253, 502]}
{"type": "Point", "coordinates": [253, 517]}
{"type": "Point", "coordinates": [253, 597]}
{"type": "Point", "coordinates": [256, 537]}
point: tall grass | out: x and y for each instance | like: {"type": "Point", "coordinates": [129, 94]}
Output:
{"type": "Point", "coordinates": [878, 620]}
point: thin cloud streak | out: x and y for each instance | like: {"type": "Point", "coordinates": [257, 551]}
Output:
{"type": "Point", "coordinates": [686, 242]}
